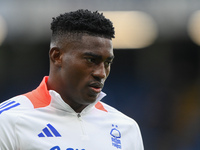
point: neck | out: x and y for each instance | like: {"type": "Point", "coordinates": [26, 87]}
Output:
{"type": "Point", "coordinates": [51, 85]}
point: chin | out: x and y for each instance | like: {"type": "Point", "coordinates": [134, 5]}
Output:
{"type": "Point", "coordinates": [90, 100]}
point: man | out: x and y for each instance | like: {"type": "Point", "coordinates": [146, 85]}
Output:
{"type": "Point", "coordinates": [65, 112]}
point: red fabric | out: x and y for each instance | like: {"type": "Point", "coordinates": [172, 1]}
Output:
{"type": "Point", "coordinates": [40, 97]}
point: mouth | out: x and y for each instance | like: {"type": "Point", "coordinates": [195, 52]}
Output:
{"type": "Point", "coordinates": [96, 87]}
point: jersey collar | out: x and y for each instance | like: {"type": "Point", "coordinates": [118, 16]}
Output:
{"type": "Point", "coordinates": [41, 97]}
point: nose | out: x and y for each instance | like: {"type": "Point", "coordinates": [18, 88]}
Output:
{"type": "Point", "coordinates": [100, 72]}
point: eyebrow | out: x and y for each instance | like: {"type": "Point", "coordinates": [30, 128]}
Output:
{"type": "Point", "coordinates": [97, 56]}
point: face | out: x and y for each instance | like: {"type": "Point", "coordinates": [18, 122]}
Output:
{"type": "Point", "coordinates": [85, 65]}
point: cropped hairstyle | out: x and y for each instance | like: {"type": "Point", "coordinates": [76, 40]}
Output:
{"type": "Point", "coordinates": [82, 21]}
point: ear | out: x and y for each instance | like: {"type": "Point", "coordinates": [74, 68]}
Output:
{"type": "Point", "coordinates": [55, 55]}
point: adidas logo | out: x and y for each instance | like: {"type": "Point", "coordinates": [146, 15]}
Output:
{"type": "Point", "coordinates": [8, 105]}
{"type": "Point", "coordinates": [49, 131]}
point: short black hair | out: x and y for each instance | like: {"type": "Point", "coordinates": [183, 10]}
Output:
{"type": "Point", "coordinates": [83, 21]}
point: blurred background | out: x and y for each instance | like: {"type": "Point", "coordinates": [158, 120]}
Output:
{"type": "Point", "coordinates": [155, 77]}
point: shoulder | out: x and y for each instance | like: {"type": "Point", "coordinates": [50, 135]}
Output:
{"type": "Point", "coordinates": [15, 106]}
{"type": "Point", "coordinates": [10, 111]}
{"type": "Point", "coordinates": [125, 124]}
{"type": "Point", "coordinates": [113, 112]}
{"type": "Point", "coordinates": [14, 103]}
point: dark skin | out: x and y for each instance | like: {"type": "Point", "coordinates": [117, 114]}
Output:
{"type": "Point", "coordinates": [79, 69]}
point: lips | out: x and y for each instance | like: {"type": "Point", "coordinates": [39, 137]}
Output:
{"type": "Point", "coordinates": [96, 87]}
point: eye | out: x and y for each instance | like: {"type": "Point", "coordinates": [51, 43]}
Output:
{"type": "Point", "coordinates": [91, 60]}
{"type": "Point", "coordinates": [108, 63]}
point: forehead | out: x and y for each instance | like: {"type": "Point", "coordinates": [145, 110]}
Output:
{"type": "Point", "coordinates": [97, 42]}
{"type": "Point", "coordinates": [93, 44]}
